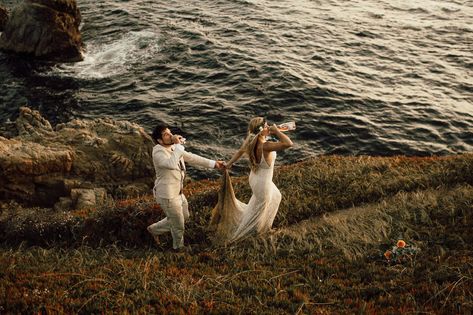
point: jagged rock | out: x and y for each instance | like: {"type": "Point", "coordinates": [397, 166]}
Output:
{"type": "Point", "coordinates": [3, 18]}
{"type": "Point", "coordinates": [88, 198]}
{"type": "Point", "coordinates": [47, 29]}
{"type": "Point", "coordinates": [42, 164]}
{"type": "Point", "coordinates": [22, 165]}
{"type": "Point", "coordinates": [32, 124]}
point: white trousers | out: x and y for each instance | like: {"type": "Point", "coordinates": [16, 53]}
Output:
{"type": "Point", "coordinates": [177, 212]}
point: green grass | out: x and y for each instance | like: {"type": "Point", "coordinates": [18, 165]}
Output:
{"type": "Point", "coordinates": [337, 218]}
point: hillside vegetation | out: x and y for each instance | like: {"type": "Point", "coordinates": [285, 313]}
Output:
{"type": "Point", "coordinates": [338, 217]}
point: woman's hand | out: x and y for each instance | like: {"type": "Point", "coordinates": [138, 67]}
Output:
{"type": "Point", "coordinates": [220, 165]}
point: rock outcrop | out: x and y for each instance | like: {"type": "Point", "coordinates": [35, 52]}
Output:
{"type": "Point", "coordinates": [3, 18]}
{"type": "Point", "coordinates": [75, 164]}
{"type": "Point", "coordinates": [47, 29]}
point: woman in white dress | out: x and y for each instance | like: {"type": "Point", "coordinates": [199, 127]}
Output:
{"type": "Point", "coordinates": [258, 215]}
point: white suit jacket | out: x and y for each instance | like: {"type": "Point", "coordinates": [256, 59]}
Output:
{"type": "Point", "coordinates": [170, 169]}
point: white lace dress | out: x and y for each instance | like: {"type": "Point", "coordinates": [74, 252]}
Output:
{"type": "Point", "coordinates": [258, 215]}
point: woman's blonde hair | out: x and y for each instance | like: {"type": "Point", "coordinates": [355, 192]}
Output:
{"type": "Point", "coordinates": [255, 127]}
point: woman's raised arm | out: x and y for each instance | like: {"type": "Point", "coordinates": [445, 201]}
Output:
{"type": "Point", "coordinates": [284, 141]}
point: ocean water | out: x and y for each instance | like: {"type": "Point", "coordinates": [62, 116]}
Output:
{"type": "Point", "coordinates": [358, 77]}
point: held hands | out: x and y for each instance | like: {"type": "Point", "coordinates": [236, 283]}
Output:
{"type": "Point", "coordinates": [220, 165]}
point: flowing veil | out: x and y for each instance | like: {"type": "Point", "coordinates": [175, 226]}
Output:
{"type": "Point", "coordinates": [226, 215]}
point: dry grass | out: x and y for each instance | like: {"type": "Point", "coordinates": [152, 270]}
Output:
{"type": "Point", "coordinates": [337, 217]}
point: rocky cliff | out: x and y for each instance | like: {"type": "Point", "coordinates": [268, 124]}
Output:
{"type": "Point", "coordinates": [75, 164]}
{"type": "Point", "coordinates": [46, 29]}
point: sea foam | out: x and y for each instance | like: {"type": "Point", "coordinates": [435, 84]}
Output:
{"type": "Point", "coordinates": [103, 60]}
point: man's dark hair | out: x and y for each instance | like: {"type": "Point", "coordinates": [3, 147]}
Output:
{"type": "Point", "coordinates": [158, 132]}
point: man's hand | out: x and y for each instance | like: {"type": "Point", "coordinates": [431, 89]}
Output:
{"type": "Point", "coordinates": [177, 139]}
{"type": "Point", "coordinates": [220, 165]}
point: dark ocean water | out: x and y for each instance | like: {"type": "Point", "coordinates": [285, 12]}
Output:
{"type": "Point", "coordinates": [358, 77]}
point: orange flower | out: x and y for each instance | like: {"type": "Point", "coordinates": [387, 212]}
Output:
{"type": "Point", "coordinates": [401, 244]}
{"type": "Point", "coordinates": [388, 254]}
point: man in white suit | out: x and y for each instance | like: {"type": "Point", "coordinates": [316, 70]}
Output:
{"type": "Point", "coordinates": [169, 156]}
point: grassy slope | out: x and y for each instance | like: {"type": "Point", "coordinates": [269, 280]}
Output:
{"type": "Point", "coordinates": [337, 217]}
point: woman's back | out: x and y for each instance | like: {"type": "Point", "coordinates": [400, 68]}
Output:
{"type": "Point", "coordinates": [261, 179]}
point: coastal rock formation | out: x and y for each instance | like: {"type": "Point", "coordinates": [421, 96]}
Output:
{"type": "Point", "coordinates": [3, 17]}
{"type": "Point", "coordinates": [76, 164]}
{"type": "Point", "coordinates": [47, 29]}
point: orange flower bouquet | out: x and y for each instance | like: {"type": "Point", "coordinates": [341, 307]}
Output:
{"type": "Point", "coordinates": [400, 252]}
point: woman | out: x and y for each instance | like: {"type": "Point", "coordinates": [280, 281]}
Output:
{"type": "Point", "coordinates": [258, 215]}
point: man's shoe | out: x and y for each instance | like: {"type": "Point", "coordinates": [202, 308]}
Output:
{"type": "Point", "coordinates": [181, 250]}
{"type": "Point", "coordinates": [155, 237]}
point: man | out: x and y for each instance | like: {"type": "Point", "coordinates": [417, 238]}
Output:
{"type": "Point", "coordinates": [168, 159]}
